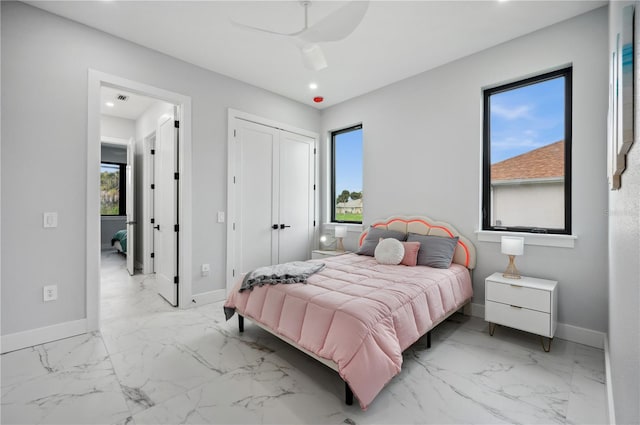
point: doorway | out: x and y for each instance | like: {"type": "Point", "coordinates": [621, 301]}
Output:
{"type": "Point", "coordinates": [179, 117]}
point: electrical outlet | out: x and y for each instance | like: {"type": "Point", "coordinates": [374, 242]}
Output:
{"type": "Point", "coordinates": [206, 269]}
{"type": "Point", "coordinates": [50, 293]}
{"type": "Point", "coordinates": [50, 219]}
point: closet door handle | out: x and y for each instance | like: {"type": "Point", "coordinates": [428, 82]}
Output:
{"type": "Point", "coordinates": [282, 226]}
{"type": "Point", "coordinates": [274, 227]}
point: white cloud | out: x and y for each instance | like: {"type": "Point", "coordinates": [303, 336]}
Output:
{"type": "Point", "coordinates": [521, 111]}
{"type": "Point", "coordinates": [516, 143]}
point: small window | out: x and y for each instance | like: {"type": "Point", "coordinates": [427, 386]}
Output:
{"type": "Point", "coordinates": [346, 175]}
{"type": "Point", "coordinates": [112, 189]}
{"type": "Point", "coordinates": [527, 155]}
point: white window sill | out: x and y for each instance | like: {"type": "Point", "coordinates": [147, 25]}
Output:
{"type": "Point", "coordinates": [558, 241]}
{"type": "Point", "coordinates": [351, 227]}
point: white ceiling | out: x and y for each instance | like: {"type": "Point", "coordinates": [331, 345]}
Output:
{"type": "Point", "coordinates": [396, 39]}
{"type": "Point", "coordinates": [131, 109]}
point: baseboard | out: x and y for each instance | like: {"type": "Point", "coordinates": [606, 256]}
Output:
{"type": "Point", "coordinates": [607, 380]}
{"type": "Point", "coordinates": [563, 331]}
{"type": "Point", "coordinates": [477, 310]}
{"type": "Point", "coordinates": [209, 297]}
{"type": "Point", "coordinates": [580, 335]}
{"type": "Point", "coordinates": [19, 340]}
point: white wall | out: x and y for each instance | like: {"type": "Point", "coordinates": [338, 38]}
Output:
{"type": "Point", "coordinates": [120, 128]}
{"type": "Point", "coordinates": [422, 154]}
{"type": "Point", "coordinates": [45, 62]}
{"type": "Point", "coordinates": [624, 268]}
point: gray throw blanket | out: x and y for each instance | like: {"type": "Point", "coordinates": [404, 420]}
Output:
{"type": "Point", "coordinates": [294, 272]}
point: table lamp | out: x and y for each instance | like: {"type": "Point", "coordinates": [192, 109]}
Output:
{"type": "Point", "coordinates": [512, 246]}
{"type": "Point", "coordinates": [340, 232]}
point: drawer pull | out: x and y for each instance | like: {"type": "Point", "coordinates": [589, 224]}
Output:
{"type": "Point", "coordinates": [515, 286]}
{"type": "Point", "coordinates": [515, 306]}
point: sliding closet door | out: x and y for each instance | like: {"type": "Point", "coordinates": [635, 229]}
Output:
{"type": "Point", "coordinates": [295, 197]}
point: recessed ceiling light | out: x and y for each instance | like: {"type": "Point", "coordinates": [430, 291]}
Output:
{"type": "Point", "coordinates": [313, 86]}
{"type": "Point", "coordinates": [110, 104]}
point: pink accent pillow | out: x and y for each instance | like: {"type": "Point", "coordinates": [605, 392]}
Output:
{"type": "Point", "coordinates": [410, 253]}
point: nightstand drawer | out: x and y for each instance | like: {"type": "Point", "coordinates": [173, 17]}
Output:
{"type": "Point", "coordinates": [513, 294]}
{"type": "Point", "coordinates": [518, 318]}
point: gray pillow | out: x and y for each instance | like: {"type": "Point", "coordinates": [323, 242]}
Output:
{"type": "Point", "coordinates": [373, 237]}
{"type": "Point", "coordinates": [435, 251]}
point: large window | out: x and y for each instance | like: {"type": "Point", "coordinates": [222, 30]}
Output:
{"type": "Point", "coordinates": [112, 189]}
{"type": "Point", "coordinates": [346, 175]}
{"type": "Point", "coordinates": [527, 155]}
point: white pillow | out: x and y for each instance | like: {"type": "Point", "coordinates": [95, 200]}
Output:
{"type": "Point", "coordinates": [389, 251]}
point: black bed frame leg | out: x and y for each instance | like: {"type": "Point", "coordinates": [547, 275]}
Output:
{"type": "Point", "coordinates": [348, 394]}
{"type": "Point", "coordinates": [429, 339]}
{"type": "Point", "coordinates": [240, 323]}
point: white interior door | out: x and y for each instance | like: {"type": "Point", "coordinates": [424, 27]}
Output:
{"type": "Point", "coordinates": [296, 197]}
{"type": "Point", "coordinates": [165, 211]}
{"type": "Point", "coordinates": [256, 213]}
{"type": "Point", "coordinates": [130, 201]}
{"type": "Point", "coordinates": [274, 198]}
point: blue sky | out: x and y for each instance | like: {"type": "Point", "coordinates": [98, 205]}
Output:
{"type": "Point", "coordinates": [111, 168]}
{"type": "Point", "coordinates": [349, 161]}
{"type": "Point", "coordinates": [526, 118]}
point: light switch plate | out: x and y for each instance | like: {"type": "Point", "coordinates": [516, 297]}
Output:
{"type": "Point", "coordinates": [220, 216]}
{"type": "Point", "coordinates": [50, 219]}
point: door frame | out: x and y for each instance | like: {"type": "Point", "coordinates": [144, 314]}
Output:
{"type": "Point", "coordinates": [231, 172]}
{"type": "Point", "coordinates": [96, 80]}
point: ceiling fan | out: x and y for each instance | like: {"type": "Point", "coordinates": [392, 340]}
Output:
{"type": "Point", "coordinates": [336, 26]}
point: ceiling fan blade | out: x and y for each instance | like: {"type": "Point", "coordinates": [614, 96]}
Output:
{"type": "Point", "coordinates": [313, 57]}
{"type": "Point", "coordinates": [337, 25]}
{"type": "Point", "coordinates": [261, 30]}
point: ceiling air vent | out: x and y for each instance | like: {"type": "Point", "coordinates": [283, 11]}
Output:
{"type": "Point", "coordinates": [122, 97]}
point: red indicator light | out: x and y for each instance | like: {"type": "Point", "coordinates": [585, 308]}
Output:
{"type": "Point", "coordinates": [318, 99]}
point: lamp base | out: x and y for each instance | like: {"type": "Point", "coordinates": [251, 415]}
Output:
{"type": "Point", "coordinates": [511, 272]}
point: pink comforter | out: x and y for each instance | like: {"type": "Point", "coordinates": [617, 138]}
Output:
{"type": "Point", "coordinates": [360, 314]}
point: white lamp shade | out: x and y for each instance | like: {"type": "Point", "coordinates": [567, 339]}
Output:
{"type": "Point", "coordinates": [512, 245]}
{"type": "Point", "coordinates": [341, 231]}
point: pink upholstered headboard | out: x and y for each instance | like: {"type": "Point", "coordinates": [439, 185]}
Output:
{"type": "Point", "coordinates": [465, 253]}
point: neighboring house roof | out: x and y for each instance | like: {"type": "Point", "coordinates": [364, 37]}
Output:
{"type": "Point", "coordinates": [541, 163]}
{"type": "Point", "coordinates": [351, 203]}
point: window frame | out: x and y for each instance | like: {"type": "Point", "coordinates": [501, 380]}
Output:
{"type": "Point", "coordinates": [122, 189]}
{"type": "Point", "coordinates": [567, 73]}
{"type": "Point", "coordinates": [333, 173]}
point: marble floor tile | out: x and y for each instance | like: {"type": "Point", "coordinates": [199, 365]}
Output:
{"type": "Point", "coordinates": [71, 381]}
{"type": "Point", "coordinates": [151, 364]}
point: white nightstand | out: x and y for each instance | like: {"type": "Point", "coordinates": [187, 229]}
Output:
{"type": "Point", "coordinates": [318, 253]}
{"type": "Point", "coordinates": [528, 304]}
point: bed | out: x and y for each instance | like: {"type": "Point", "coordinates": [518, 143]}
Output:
{"type": "Point", "coordinates": [357, 315]}
{"type": "Point", "coordinates": [119, 241]}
